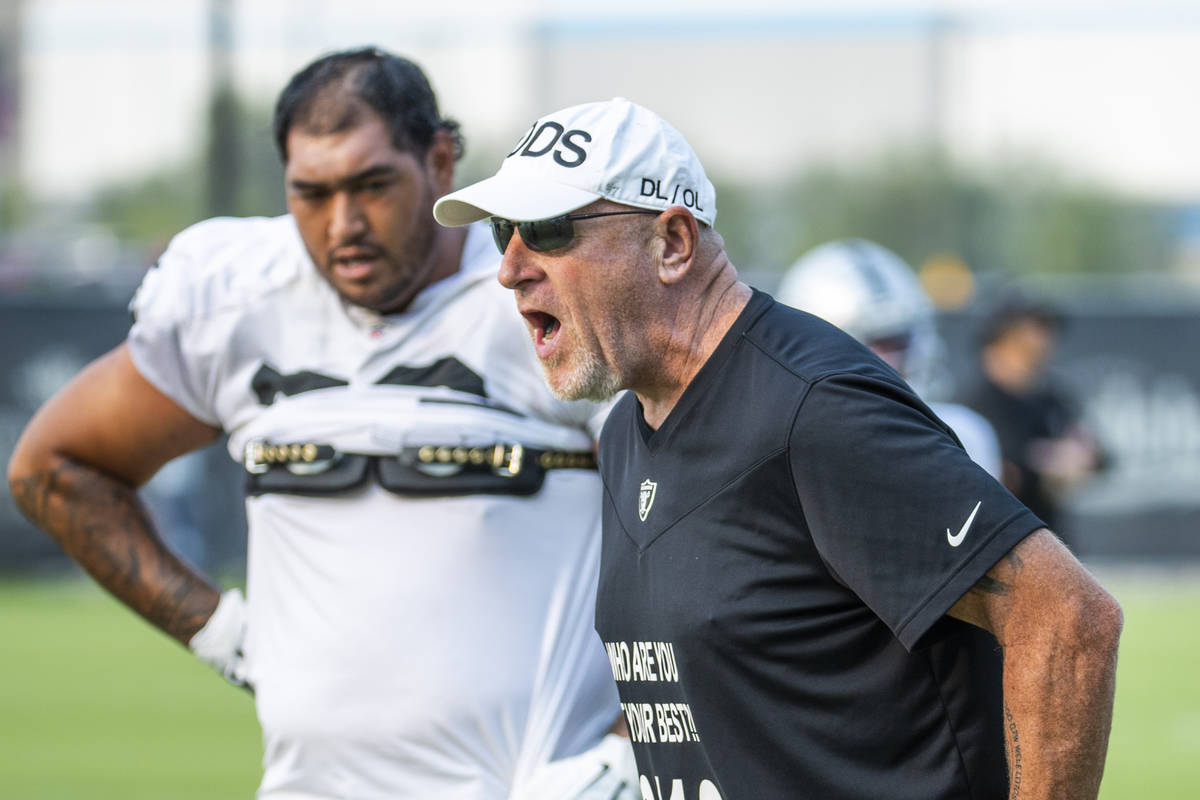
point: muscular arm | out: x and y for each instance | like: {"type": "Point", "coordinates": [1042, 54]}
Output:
{"type": "Point", "coordinates": [1058, 629]}
{"type": "Point", "coordinates": [75, 473]}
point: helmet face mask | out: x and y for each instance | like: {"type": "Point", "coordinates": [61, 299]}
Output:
{"type": "Point", "coordinates": [873, 295]}
{"type": "Point", "coordinates": [894, 350]}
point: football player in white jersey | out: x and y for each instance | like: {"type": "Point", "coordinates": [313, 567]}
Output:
{"type": "Point", "coordinates": [872, 294]}
{"type": "Point", "coordinates": [423, 544]}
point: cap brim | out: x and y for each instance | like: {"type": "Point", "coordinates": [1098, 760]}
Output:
{"type": "Point", "coordinates": [502, 196]}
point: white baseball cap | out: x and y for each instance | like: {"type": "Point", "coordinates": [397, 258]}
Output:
{"type": "Point", "coordinates": [615, 149]}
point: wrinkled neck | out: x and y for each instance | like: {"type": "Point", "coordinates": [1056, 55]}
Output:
{"type": "Point", "coordinates": [692, 331]}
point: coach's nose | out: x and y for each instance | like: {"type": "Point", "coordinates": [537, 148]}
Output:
{"type": "Point", "coordinates": [519, 264]}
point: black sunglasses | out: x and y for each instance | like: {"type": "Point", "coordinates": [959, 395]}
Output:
{"type": "Point", "coordinates": [544, 235]}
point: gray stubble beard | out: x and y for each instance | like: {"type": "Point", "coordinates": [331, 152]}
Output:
{"type": "Point", "coordinates": [588, 379]}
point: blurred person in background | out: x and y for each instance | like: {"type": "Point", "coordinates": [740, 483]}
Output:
{"type": "Point", "coordinates": [872, 294]}
{"type": "Point", "coordinates": [423, 513]}
{"type": "Point", "coordinates": [1046, 449]}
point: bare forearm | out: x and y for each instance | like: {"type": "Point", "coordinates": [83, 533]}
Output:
{"type": "Point", "coordinates": [1058, 701]}
{"type": "Point", "coordinates": [100, 523]}
{"type": "Point", "coordinates": [1059, 631]}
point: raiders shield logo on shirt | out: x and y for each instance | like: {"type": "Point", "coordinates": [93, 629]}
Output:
{"type": "Point", "coordinates": [646, 498]}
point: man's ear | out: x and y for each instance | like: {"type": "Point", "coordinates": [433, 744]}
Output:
{"type": "Point", "coordinates": [439, 161]}
{"type": "Point", "coordinates": [679, 238]}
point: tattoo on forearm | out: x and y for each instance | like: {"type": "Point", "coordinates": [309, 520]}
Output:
{"type": "Point", "coordinates": [1014, 560]}
{"type": "Point", "coordinates": [1014, 754]}
{"type": "Point", "coordinates": [989, 585]}
{"type": "Point", "coordinates": [101, 523]}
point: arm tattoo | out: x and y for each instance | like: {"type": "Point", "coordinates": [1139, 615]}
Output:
{"type": "Point", "coordinates": [100, 523]}
{"type": "Point", "coordinates": [990, 584]}
{"type": "Point", "coordinates": [1014, 754]}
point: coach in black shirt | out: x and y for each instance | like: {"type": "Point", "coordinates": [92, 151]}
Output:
{"type": "Point", "coordinates": [807, 589]}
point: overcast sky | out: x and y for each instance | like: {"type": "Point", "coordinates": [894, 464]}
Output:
{"type": "Point", "coordinates": [114, 88]}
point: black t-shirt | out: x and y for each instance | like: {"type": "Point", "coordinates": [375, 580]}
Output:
{"type": "Point", "coordinates": [777, 562]}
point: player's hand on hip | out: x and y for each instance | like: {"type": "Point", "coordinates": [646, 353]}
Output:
{"type": "Point", "coordinates": [606, 772]}
{"type": "Point", "coordinates": [219, 642]}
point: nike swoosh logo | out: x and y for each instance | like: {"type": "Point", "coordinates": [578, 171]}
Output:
{"type": "Point", "coordinates": [956, 539]}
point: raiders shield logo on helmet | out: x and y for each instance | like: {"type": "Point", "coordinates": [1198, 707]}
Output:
{"type": "Point", "coordinates": [646, 498]}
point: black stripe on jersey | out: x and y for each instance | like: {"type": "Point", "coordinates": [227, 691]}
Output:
{"type": "Point", "coordinates": [448, 372]}
{"type": "Point", "coordinates": [268, 382]}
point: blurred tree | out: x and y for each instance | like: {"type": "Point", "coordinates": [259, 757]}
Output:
{"type": "Point", "coordinates": [157, 206]}
{"type": "Point", "coordinates": [1019, 217]}
{"type": "Point", "coordinates": [1077, 230]}
{"type": "Point", "coordinates": [12, 205]}
{"type": "Point", "coordinates": [11, 194]}
{"type": "Point", "coordinates": [152, 207]}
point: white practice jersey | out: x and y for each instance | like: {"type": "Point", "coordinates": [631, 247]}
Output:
{"type": "Point", "coordinates": [976, 434]}
{"type": "Point", "coordinates": [400, 646]}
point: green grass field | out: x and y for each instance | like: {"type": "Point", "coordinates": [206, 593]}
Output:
{"type": "Point", "coordinates": [1154, 751]}
{"type": "Point", "coordinates": [94, 704]}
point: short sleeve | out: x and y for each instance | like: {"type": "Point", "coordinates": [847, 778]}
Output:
{"type": "Point", "coordinates": [896, 508]}
{"type": "Point", "coordinates": [167, 339]}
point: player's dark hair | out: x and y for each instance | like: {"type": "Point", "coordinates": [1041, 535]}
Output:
{"type": "Point", "coordinates": [332, 93]}
{"type": "Point", "coordinates": [1013, 308]}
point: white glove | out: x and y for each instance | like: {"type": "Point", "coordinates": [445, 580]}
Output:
{"type": "Point", "coordinates": [606, 772]}
{"type": "Point", "coordinates": [219, 642]}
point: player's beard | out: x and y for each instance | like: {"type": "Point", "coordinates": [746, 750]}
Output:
{"type": "Point", "coordinates": [408, 271]}
{"type": "Point", "coordinates": [416, 262]}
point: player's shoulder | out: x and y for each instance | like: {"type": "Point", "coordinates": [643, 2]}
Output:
{"type": "Point", "coordinates": [222, 263]}
{"type": "Point", "coordinates": [805, 345]}
{"type": "Point", "coordinates": [475, 293]}
{"type": "Point", "coordinates": [479, 256]}
{"type": "Point", "coordinates": [479, 268]}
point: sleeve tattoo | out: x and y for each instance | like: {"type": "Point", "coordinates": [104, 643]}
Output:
{"type": "Point", "coordinates": [101, 523]}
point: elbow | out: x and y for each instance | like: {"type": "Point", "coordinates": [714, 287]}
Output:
{"type": "Point", "coordinates": [1097, 621]}
{"type": "Point", "coordinates": [20, 470]}
{"type": "Point", "coordinates": [1099, 659]}
{"type": "Point", "coordinates": [1110, 620]}
{"type": "Point", "coordinates": [28, 467]}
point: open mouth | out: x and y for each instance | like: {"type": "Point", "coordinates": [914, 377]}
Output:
{"type": "Point", "coordinates": [545, 326]}
{"type": "Point", "coordinates": [356, 261]}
